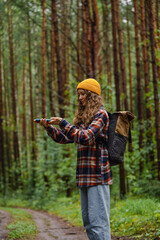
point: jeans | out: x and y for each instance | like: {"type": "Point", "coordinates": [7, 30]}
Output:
{"type": "Point", "coordinates": [95, 207]}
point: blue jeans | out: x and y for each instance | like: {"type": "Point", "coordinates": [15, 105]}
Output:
{"type": "Point", "coordinates": [95, 207]}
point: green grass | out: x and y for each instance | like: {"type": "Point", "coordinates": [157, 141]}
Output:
{"type": "Point", "coordinates": [21, 226]}
{"type": "Point", "coordinates": [134, 216]}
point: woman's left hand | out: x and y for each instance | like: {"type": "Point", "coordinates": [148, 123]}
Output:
{"type": "Point", "coordinates": [55, 120]}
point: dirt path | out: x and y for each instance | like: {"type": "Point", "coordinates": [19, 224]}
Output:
{"type": "Point", "coordinates": [51, 228]}
{"type": "Point", "coordinates": [4, 220]}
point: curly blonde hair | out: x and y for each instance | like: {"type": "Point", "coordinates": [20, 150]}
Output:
{"type": "Point", "coordinates": [85, 114]}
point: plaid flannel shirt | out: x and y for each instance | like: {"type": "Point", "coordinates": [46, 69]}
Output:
{"type": "Point", "coordinates": [86, 138]}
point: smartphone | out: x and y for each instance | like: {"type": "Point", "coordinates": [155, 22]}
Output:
{"type": "Point", "coordinates": [38, 120]}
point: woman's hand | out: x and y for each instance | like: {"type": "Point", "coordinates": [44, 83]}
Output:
{"type": "Point", "coordinates": [54, 120]}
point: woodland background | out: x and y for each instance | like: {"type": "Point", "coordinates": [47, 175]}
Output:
{"type": "Point", "coordinates": [46, 48]}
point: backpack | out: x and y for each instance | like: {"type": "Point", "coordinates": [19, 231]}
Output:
{"type": "Point", "coordinates": [118, 133]}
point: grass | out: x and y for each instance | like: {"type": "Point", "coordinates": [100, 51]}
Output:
{"type": "Point", "coordinates": [21, 226]}
{"type": "Point", "coordinates": [134, 216]}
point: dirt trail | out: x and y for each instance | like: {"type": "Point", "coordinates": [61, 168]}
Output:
{"type": "Point", "coordinates": [4, 220]}
{"type": "Point", "coordinates": [51, 228]}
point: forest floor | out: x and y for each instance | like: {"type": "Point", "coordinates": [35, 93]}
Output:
{"type": "Point", "coordinates": [50, 227]}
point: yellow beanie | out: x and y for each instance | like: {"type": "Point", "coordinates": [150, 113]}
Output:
{"type": "Point", "coordinates": [91, 85]}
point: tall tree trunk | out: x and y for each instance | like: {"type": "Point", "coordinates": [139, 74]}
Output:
{"type": "Point", "coordinates": [53, 63]}
{"type": "Point", "coordinates": [139, 83]}
{"type": "Point", "coordinates": [115, 54]}
{"type": "Point", "coordinates": [7, 122]}
{"type": "Point", "coordinates": [65, 29]}
{"type": "Point", "coordinates": [129, 63]}
{"type": "Point", "coordinates": [150, 4]}
{"type": "Point", "coordinates": [122, 61]}
{"type": "Point", "coordinates": [88, 38]}
{"type": "Point", "coordinates": [43, 59]}
{"type": "Point", "coordinates": [2, 158]}
{"type": "Point", "coordinates": [124, 90]}
{"type": "Point", "coordinates": [14, 103]}
{"type": "Point", "coordinates": [58, 60]}
{"type": "Point", "coordinates": [24, 135]}
{"type": "Point", "coordinates": [150, 155]}
{"type": "Point", "coordinates": [78, 70]}
{"type": "Point", "coordinates": [96, 44]}
{"type": "Point", "coordinates": [157, 19]}
{"type": "Point", "coordinates": [30, 89]}
{"type": "Point", "coordinates": [51, 74]}
{"type": "Point", "coordinates": [107, 52]}
{"type": "Point", "coordinates": [116, 74]}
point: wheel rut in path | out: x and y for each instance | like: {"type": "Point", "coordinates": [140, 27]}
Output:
{"type": "Point", "coordinates": [51, 227]}
{"type": "Point", "coordinates": [4, 220]}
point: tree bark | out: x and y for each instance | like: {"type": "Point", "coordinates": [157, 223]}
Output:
{"type": "Point", "coordinates": [139, 83]}
{"type": "Point", "coordinates": [58, 60]}
{"type": "Point", "coordinates": [14, 103]}
{"type": "Point", "coordinates": [96, 44]}
{"type": "Point", "coordinates": [43, 59]}
{"type": "Point", "coordinates": [150, 155]}
{"type": "Point", "coordinates": [115, 54]}
{"type": "Point", "coordinates": [129, 64]}
{"type": "Point", "coordinates": [116, 74]}
{"type": "Point", "coordinates": [122, 61]}
{"type": "Point", "coordinates": [107, 52]}
{"type": "Point", "coordinates": [88, 37]}
{"type": "Point", "coordinates": [150, 4]}
{"type": "Point", "coordinates": [2, 157]}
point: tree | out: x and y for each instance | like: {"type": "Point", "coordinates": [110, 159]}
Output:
{"type": "Point", "coordinates": [14, 103]}
{"type": "Point", "coordinates": [150, 5]}
{"type": "Point", "coordinates": [2, 157]}
{"type": "Point", "coordinates": [139, 82]}
{"type": "Point", "coordinates": [58, 60]}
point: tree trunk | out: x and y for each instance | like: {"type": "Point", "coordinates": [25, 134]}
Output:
{"type": "Point", "coordinates": [14, 103]}
{"type": "Point", "coordinates": [78, 70]}
{"type": "Point", "coordinates": [139, 83]}
{"type": "Point", "coordinates": [58, 60]}
{"type": "Point", "coordinates": [107, 52]}
{"type": "Point", "coordinates": [24, 136]}
{"type": "Point", "coordinates": [150, 155]}
{"type": "Point", "coordinates": [43, 59]}
{"type": "Point", "coordinates": [2, 158]}
{"type": "Point", "coordinates": [50, 72]}
{"type": "Point", "coordinates": [116, 74]}
{"type": "Point", "coordinates": [129, 63]}
{"type": "Point", "coordinates": [88, 38]}
{"type": "Point", "coordinates": [7, 122]}
{"type": "Point", "coordinates": [96, 44]}
{"type": "Point", "coordinates": [53, 95]}
{"type": "Point", "coordinates": [115, 54]}
{"type": "Point", "coordinates": [150, 4]}
{"type": "Point", "coordinates": [122, 61]}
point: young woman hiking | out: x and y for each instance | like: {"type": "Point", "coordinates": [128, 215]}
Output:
{"type": "Point", "coordinates": [89, 132]}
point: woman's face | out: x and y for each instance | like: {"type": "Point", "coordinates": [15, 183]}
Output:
{"type": "Point", "coordinates": [82, 97]}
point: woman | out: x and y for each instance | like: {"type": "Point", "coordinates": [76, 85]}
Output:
{"type": "Point", "coordinates": [93, 173]}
